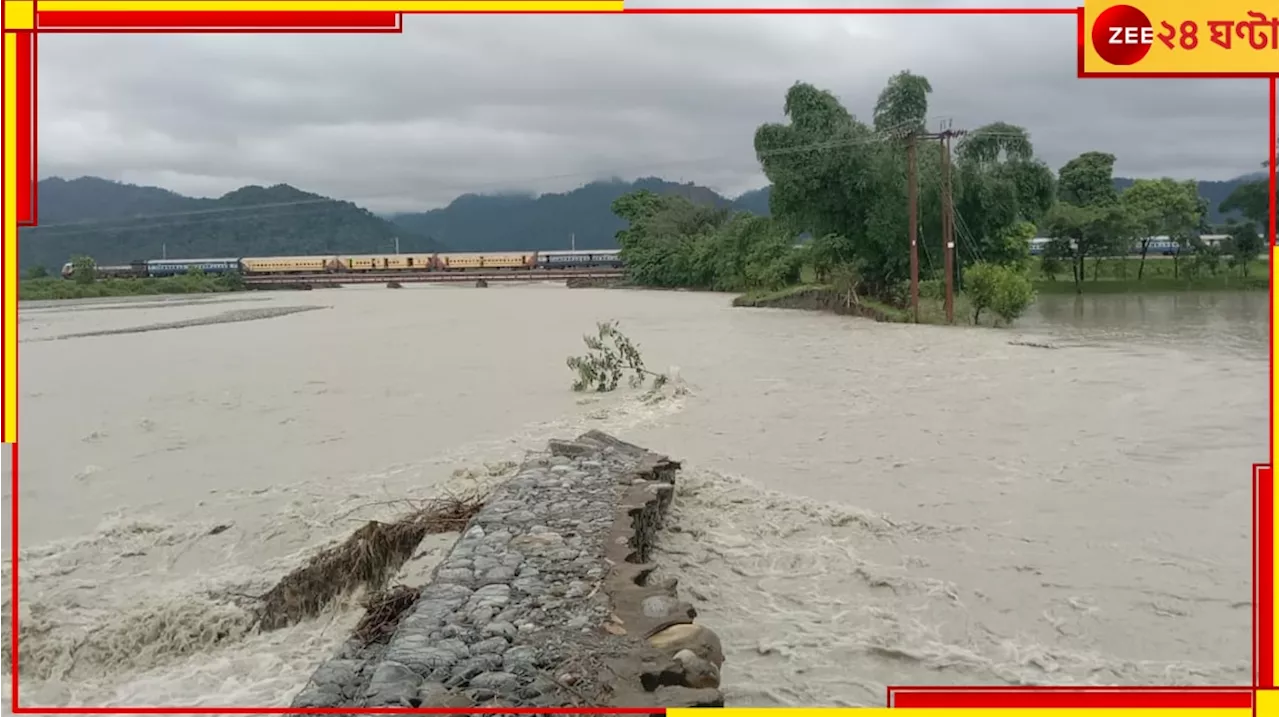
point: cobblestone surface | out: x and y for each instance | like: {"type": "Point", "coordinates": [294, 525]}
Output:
{"type": "Point", "coordinates": [543, 601]}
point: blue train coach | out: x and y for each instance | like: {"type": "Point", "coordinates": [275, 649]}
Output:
{"type": "Point", "coordinates": [600, 258]}
{"type": "Point", "coordinates": [174, 267]}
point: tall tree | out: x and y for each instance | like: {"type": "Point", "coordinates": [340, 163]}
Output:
{"type": "Point", "coordinates": [1087, 220]}
{"type": "Point", "coordinates": [903, 104]}
{"type": "Point", "coordinates": [1252, 200]}
{"type": "Point", "coordinates": [1245, 245]}
{"type": "Point", "coordinates": [1000, 187]}
{"type": "Point", "coordinates": [1162, 207]}
{"type": "Point", "coordinates": [1086, 180]}
{"type": "Point", "coordinates": [834, 175]}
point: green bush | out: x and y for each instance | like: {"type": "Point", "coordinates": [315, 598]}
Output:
{"type": "Point", "coordinates": [55, 288]}
{"type": "Point", "coordinates": [1004, 290]}
{"type": "Point", "coordinates": [932, 289]}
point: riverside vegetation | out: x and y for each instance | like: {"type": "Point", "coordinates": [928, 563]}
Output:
{"type": "Point", "coordinates": [843, 182]}
{"type": "Point", "coordinates": [84, 283]}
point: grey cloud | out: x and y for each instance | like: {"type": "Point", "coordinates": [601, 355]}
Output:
{"type": "Point", "coordinates": [473, 103]}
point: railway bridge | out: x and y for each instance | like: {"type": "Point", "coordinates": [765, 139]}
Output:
{"type": "Point", "coordinates": [281, 281]}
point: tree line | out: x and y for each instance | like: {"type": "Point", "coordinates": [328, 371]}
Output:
{"type": "Point", "coordinates": [840, 183]}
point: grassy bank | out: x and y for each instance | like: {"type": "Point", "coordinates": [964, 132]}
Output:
{"type": "Point", "coordinates": [57, 288]}
{"type": "Point", "coordinates": [1120, 276]}
{"type": "Point", "coordinates": [821, 297]}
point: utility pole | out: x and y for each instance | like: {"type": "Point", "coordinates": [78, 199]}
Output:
{"type": "Point", "coordinates": [573, 241]}
{"type": "Point", "coordinates": [397, 245]}
{"type": "Point", "coordinates": [948, 213]}
{"type": "Point", "coordinates": [948, 221]}
{"type": "Point", "coordinates": [912, 225]}
{"type": "Point", "coordinates": [948, 235]}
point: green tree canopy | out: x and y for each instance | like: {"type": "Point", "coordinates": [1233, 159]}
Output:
{"type": "Point", "coordinates": [1162, 207]}
{"type": "Point", "coordinates": [834, 176]}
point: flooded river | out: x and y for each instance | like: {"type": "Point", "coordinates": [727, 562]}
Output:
{"type": "Point", "coordinates": [862, 504]}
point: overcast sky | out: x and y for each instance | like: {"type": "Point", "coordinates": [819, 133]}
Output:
{"type": "Point", "coordinates": [483, 104]}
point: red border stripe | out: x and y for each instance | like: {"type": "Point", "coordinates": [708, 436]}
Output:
{"type": "Point", "coordinates": [1071, 698]}
{"type": "Point", "coordinates": [25, 126]}
{"type": "Point", "coordinates": [190, 21]}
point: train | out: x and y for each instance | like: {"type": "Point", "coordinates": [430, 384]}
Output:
{"type": "Point", "coordinates": [364, 263]}
{"type": "Point", "coordinates": [1156, 246]}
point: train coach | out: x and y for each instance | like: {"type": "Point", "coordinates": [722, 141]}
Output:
{"type": "Point", "coordinates": [600, 258]}
{"type": "Point", "coordinates": [174, 267]}
{"type": "Point", "coordinates": [277, 265]}
{"type": "Point", "coordinates": [471, 262]}
{"type": "Point", "coordinates": [386, 262]}
{"type": "Point", "coordinates": [1156, 245]}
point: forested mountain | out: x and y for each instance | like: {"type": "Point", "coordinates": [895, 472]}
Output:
{"type": "Point", "coordinates": [117, 223]}
{"type": "Point", "coordinates": [582, 217]}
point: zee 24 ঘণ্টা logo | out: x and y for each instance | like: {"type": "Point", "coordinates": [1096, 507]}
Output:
{"type": "Point", "coordinates": [1123, 35]}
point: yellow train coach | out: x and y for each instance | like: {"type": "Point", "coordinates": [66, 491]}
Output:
{"type": "Point", "coordinates": [465, 262]}
{"type": "Point", "coordinates": [388, 262]}
{"type": "Point", "coordinates": [288, 264]}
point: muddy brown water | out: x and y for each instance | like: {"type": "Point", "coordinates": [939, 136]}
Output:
{"type": "Point", "coordinates": [862, 503]}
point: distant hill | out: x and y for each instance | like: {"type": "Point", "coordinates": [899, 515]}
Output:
{"type": "Point", "coordinates": [755, 201]}
{"type": "Point", "coordinates": [117, 223]}
{"type": "Point", "coordinates": [582, 217]}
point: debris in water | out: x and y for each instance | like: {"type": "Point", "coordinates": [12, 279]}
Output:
{"type": "Point", "coordinates": [382, 613]}
{"type": "Point", "coordinates": [365, 559]}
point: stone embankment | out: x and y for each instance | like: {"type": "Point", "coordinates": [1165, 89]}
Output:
{"type": "Point", "coordinates": [546, 600]}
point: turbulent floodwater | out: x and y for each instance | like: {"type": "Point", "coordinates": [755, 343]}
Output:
{"type": "Point", "coordinates": [862, 504]}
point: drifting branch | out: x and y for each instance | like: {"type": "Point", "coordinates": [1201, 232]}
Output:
{"type": "Point", "coordinates": [610, 356]}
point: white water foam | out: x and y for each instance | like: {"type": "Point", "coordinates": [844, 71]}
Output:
{"type": "Point", "coordinates": [149, 611]}
{"type": "Point", "coordinates": [822, 604]}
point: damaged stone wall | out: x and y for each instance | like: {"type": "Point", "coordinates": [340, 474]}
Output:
{"type": "Point", "coordinates": [545, 601]}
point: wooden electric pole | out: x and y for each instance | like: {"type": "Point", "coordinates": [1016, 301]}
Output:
{"type": "Point", "coordinates": [948, 222]}
{"type": "Point", "coordinates": [948, 237]}
{"type": "Point", "coordinates": [913, 225]}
